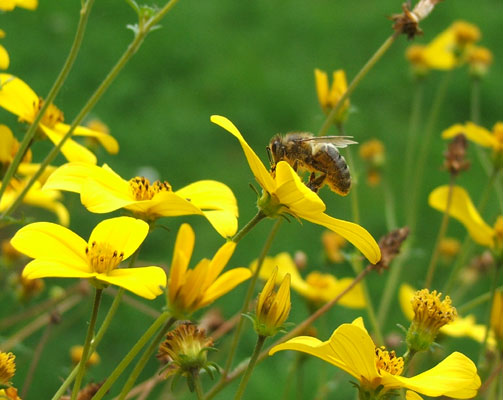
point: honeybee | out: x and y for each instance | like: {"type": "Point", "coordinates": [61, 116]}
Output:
{"type": "Point", "coordinates": [318, 155]}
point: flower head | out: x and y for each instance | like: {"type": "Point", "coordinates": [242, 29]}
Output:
{"type": "Point", "coordinates": [351, 348]}
{"type": "Point", "coordinates": [7, 367]}
{"type": "Point", "coordinates": [479, 59]}
{"type": "Point", "coordinates": [317, 287]}
{"type": "Point", "coordinates": [333, 244]}
{"type": "Point", "coordinates": [192, 289]}
{"type": "Point", "coordinates": [18, 98]}
{"type": "Point", "coordinates": [102, 190]}
{"type": "Point", "coordinates": [372, 153]}
{"type": "Point", "coordinates": [416, 56]}
{"type": "Point", "coordinates": [328, 96]}
{"type": "Point", "coordinates": [284, 193]}
{"type": "Point", "coordinates": [273, 307]}
{"type": "Point", "coordinates": [58, 252]}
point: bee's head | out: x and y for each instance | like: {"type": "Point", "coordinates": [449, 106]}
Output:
{"type": "Point", "coordinates": [276, 149]}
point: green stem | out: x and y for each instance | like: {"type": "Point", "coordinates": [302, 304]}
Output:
{"type": "Point", "coordinates": [354, 190]}
{"type": "Point", "coordinates": [440, 236]}
{"type": "Point", "coordinates": [354, 83]}
{"type": "Point", "coordinates": [389, 204]}
{"type": "Point", "coordinates": [407, 357]}
{"type": "Point", "coordinates": [143, 29]}
{"type": "Point", "coordinates": [249, 368]}
{"type": "Point", "coordinates": [81, 368]}
{"type": "Point", "coordinates": [140, 365]}
{"type": "Point", "coordinates": [197, 385]}
{"type": "Point", "coordinates": [424, 150]}
{"type": "Point", "coordinates": [465, 308]}
{"type": "Point", "coordinates": [475, 101]}
{"type": "Point", "coordinates": [249, 295]}
{"type": "Point", "coordinates": [131, 355]}
{"type": "Point", "coordinates": [415, 118]}
{"type": "Point", "coordinates": [67, 66]}
{"type": "Point", "coordinates": [249, 226]}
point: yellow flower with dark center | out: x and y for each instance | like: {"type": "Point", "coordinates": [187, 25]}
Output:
{"type": "Point", "coordinates": [430, 314]}
{"type": "Point", "coordinates": [317, 287]}
{"type": "Point", "coordinates": [497, 318]}
{"type": "Point", "coordinates": [273, 307]}
{"type": "Point", "coordinates": [351, 348]}
{"type": "Point", "coordinates": [102, 190]}
{"type": "Point", "coordinates": [76, 355]}
{"type": "Point", "coordinates": [60, 253]}
{"type": "Point", "coordinates": [285, 193]}
{"type": "Point", "coordinates": [46, 199]}
{"type": "Point", "coordinates": [328, 96]}
{"type": "Point", "coordinates": [9, 5]}
{"type": "Point", "coordinates": [192, 289]}
{"type": "Point", "coordinates": [18, 98]}
{"type": "Point", "coordinates": [460, 327]}
{"type": "Point", "coordinates": [463, 209]}
{"type": "Point", "coordinates": [7, 367]}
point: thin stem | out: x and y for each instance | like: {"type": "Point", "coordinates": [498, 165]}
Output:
{"type": "Point", "coordinates": [389, 204]}
{"type": "Point", "coordinates": [475, 101]}
{"type": "Point", "coordinates": [249, 368]}
{"type": "Point", "coordinates": [197, 385]}
{"type": "Point", "coordinates": [249, 226]}
{"type": "Point", "coordinates": [249, 295]}
{"type": "Point", "coordinates": [354, 190]}
{"type": "Point", "coordinates": [424, 150]}
{"type": "Point", "coordinates": [81, 368]}
{"type": "Point", "coordinates": [67, 66]}
{"type": "Point", "coordinates": [415, 118]}
{"type": "Point", "coordinates": [143, 29]}
{"type": "Point", "coordinates": [440, 236]}
{"type": "Point", "coordinates": [356, 80]}
{"type": "Point", "coordinates": [131, 355]}
{"type": "Point", "coordinates": [140, 365]}
{"type": "Point", "coordinates": [463, 309]}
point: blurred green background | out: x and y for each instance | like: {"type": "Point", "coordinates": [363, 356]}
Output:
{"type": "Point", "coordinates": [252, 62]}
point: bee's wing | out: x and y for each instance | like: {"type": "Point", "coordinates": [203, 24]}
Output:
{"type": "Point", "coordinates": [337, 141]}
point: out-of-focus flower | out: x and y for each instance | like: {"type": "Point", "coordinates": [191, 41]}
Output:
{"type": "Point", "coordinates": [497, 318]}
{"type": "Point", "coordinates": [273, 307]}
{"type": "Point", "coordinates": [415, 54]}
{"type": "Point", "coordinates": [285, 194]}
{"type": "Point", "coordinates": [4, 56]}
{"type": "Point", "coordinates": [462, 209]}
{"type": "Point", "coordinates": [9, 146]}
{"type": "Point", "coordinates": [328, 96]}
{"type": "Point", "coordinates": [192, 289]}
{"type": "Point", "coordinates": [76, 355]}
{"type": "Point", "coordinates": [460, 327]}
{"type": "Point", "coordinates": [317, 287]}
{"type": "Point", "coordinates": [9, 253]}
{"type": "Point", "coordinates": [7, 367]}
{"type": "Point", "coordinates": [36, 197]}
{"type": "Point", "coordinates": [372, 153]}
{"type": "Point", "coordinates": [451, 47]}
{"type": "Point", "coordinates": [60, 253]}
{"type": "Point", "coordinates": [29, 288]}
{"type": "Point", "coordinates": [449, 248]}
{"type": "Point", "coordinates": [9, 5]}
{"type": "Point", "coordinates": [351, 349]}
{"type": "Point", "coordinates": [479, 59]}
{"type": "Point", "coordinates": [333, 244]}
{"type": "Point", "coordinates": [18, 98]}
{"type": "Point", "coordinates": [102, 190]}
{"type": "Point", "coordinates": [9, 394]}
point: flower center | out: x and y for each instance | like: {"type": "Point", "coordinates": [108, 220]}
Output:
{"type": "Point", "coordinates": [143, 190]}
{"type": "Point", "coordinates": [52, 115]}
{"type": "Point", "coordinates": [7, 367]}
{"type": "Point", "coordinates": [388, 361]}
{"type": "Point", "coordinates": [430, 311]}
{"type": "Point", "coordinates": [102, 257]}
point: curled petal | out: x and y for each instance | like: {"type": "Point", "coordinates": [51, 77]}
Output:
{"type": "Point", "coordinates": [147, 282]}
{"type": "Point", "coordinates": [410, 395]}
{"type": "Point", "coordinates": [224, 284]}
{"type": "Point", "coordinates": [223, 221]}
{"type": "Point", "coordinates": [107, 141]}
{"type": "Point", "coordinates": [184, 245]}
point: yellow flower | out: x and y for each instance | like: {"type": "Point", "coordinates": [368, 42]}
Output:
{"type": "Point", "coordinates": [273, 307]}
{"type": "Point", "coordinates": [9, 146]}
{"type": "Point", "coordinates": [284, 193]}
{"type": "Point", "coordinates": [317, 287]}
{"type": "Point", "coordinates": [449, 248]}
{"type": "Point", "coordinates": [47, 199]}
{"type": "Point", "coordinates": [9, 394]}
{"type": "Point", "coordinates": [497, 317]}
{"type": "Point", "coordinates": [332, 244]}
{"type": "Point", "coordinates": [329, 96]}
{"type": "Point", "coordinates": [4, 56]}
{"type": "Point", "coordinates": [416, 55]}
{"type": "Point", "coordinates": [351, 348]}
{"type": "Point", "coordinates": [7, 367]}
{"type": "Point", "coordinates": [464, 211]}
{"type": "Point", "coordinates": [102, 190]}
{"type": "Point", "coordinates": [76, 355]}
{"type": "Point", "coordinates": [479, 58]}
{"type": "Point", "coordinates": [60, 253]}
{"type": "Point", "coordinates": [478, 135]}
{"type": "Point", "coordinates": [192, 289]}
{"type": "Point", "coordinates": [18, 98]}
{"type": "Point", "coordinates": [460, 327]}
{"type": "Point", "coordinates": [9, 5]}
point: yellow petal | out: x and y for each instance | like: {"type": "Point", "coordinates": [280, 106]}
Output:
{"type": "Point", "coordinates": [100, 199]}
{"type": "Point", "coordinates": [124, 234]}
{"type": "Point", "coordinates": [410, 395]}
{"type": "Point", "coordinates": [48, 200]}
{"type": "Point", "coordinates": [224, 222]}
{"type": "Point", "coordinates": [194, 287]}
{"type": "Point", "coordinates": [44, 268]}
{"type": "Point", "coordinates": [166, 204]}
{"type": "Point", "coordinates": [321, 80]}
{"type": "Point", "coordinates": [52, 242]}
{"type": "Point", "coordinates": [184, 245]}
{"type": "Point", "coordinates": [294, 194]}
{"type": "Point", "coordinates": [439, 54]}
{"type": "Point", "coordinates": [4, 58]}
{"type": "Point", "coordinates": [17, 97]}
{"type": "Point", "coordinates": [107, 141]}
{"type": "Point", "coordinates": [73, 151]}
{"type": "Point", "coordinates": [268, 288]}
{"type": "Point", "coordinates": [224, 284]}
{"type": "Point", "coordinates": [464, 211]}
{"type": "Point", "coordinates": [6, 143]}
{"type": "Point", "coordinates": [259, 171]}
{"type": "Point", "coordinates": [220, 260]}
{"type": "Point", "coordinates": [455, 376]}
{"type": "Point", "coordinates": [147, 282]}
{"type": "Point", "coordinates": [405, 295]}
{"type": "Point", "coordinates": [473, 132]}
{"type": "Point", "coordinates": [353, 233]}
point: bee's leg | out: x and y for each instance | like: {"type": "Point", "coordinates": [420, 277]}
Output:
{"type": "Point", "coordinates": [315, 183]}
